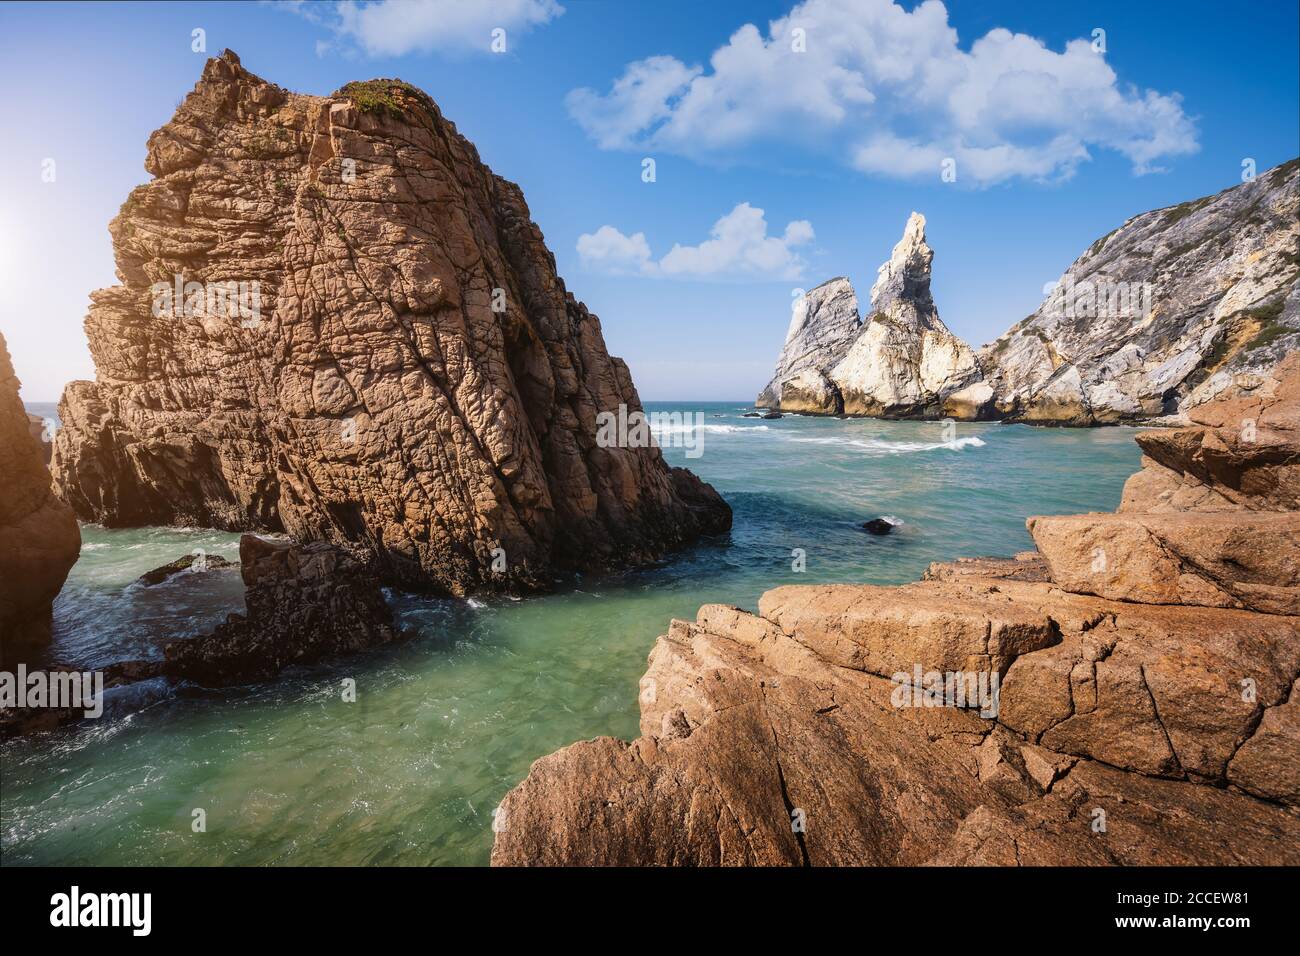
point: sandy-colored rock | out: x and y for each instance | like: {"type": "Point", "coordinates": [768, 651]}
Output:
{"type": "Point", "coordinates": [1268, 764]}
{"type": "Point", "coordinates": [886, 631]}
{"type": "Point", "coordinates": [1122, 732]}
{"type": "Point", "coordinates": [1167, 691]}
{"type": "Point", "coordinates": [411, 375]}
{"type": "Point", "coordinates": [756, 750]}
{"type": "Point", "coordinates": [1239, 454]}
{"type": "Point", "coordinates": [1227, 559]}
{"type": "Point", "coordinates": [39, 537]}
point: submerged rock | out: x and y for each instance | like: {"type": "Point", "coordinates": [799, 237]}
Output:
{"type": "Point", "coordinates": [879, 526]}
{"type": "Point", "coordinates": [1001, 711]}
{"type": "Point", "coordinates": [369, 343]}
{"type": "Point", "coordinates": [198, 562]}
{"type": "Point", "coordinates": [305, 602]}
{"type": "Point", "coordinates": [39, 537]}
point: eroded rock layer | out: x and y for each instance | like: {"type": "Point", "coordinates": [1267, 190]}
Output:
{"type": "Point", "coordinates": [1145, 709]}
{"type": "Point", "coordinates": [39, 538]}
{"type": "Point", "coordinates": [370, 344]}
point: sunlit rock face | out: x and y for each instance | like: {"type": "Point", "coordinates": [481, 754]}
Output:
{"type": "Point", "coordinates": [1175, 307]}
{"type": "Point", "coordinates": [335, 321]}
{"type": "Point", "coordinates": [1147, 666]}
{"type": "Point", "coordinates": [897, 361]}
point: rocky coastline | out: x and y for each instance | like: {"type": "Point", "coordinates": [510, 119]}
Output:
{"type": "Point", "coordinates": [1139, 702]}
{"type": "Point", "coordinates": [39, 537]}
{"type": "Point", "coordinates": [1172, 309]}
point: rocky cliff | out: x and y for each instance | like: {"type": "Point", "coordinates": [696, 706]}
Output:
{"type": "Point", "coordinates": [39, 538]}
{"type": "Point", "coordinates": [900, 361]}
{"type": "Point", "coordinates": [1146, 708]}
{"type": "Point", "coordinates": [1173, 308]}
{"type": "Point", "coordinates": [335, 321]}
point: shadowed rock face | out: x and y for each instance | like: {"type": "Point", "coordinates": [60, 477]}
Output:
{"type": "Point", "coordinates": [413, 375]}
{"type": "Point", "coordinates": [304, 602]}
{"type": "Point", "coordinates": [39, 538]}
{"type": "Point", "coordinates": [1146, 713]}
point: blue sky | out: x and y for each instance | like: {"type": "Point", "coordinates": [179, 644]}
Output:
{"type": "Point", "coordinates": [1055, 144]}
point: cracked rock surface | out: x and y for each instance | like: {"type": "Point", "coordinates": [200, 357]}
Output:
{"type": "Point", "coordinates": [415, 378]}
{"type": "Point", "coordinates": [1133, 725]}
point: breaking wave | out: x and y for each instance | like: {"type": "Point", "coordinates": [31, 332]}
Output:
{"type": "Point", "coordinates": [897, 447]}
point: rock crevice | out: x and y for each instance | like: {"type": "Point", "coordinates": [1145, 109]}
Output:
{"type": "Point", "coordinates": [39, 537]}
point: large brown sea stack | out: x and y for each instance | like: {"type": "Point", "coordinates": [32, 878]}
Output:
{"type": "Point", "coordinates": [39, 539]}
{"type": "Point", "coordinates": [401, 366]}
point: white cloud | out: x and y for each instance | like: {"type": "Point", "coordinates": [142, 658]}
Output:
{"type": "Point", "coordinates": [398, 27]}
{"type": "Point", "coordinates": [608, 250]}
{"type": "Point", "coordinates": [739, 247]}
{"type": "Point", "coordinates": [895, 94]}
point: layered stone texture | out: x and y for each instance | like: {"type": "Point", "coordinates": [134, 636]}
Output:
{"type": "Point", "coordinates": [1145, 712]}
{"type": "Point", "coordinates": [1175, 307]}
{"type": "Point", "coordinates": [39, 537]}
{"type": "Point", "coordinates": [411, 374]}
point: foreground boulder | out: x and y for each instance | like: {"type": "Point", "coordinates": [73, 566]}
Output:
{"type": "Point", "coordinates": [1238, 454]}
{"type": "Point", "coordinates": [39, 537]}
{"type": "Point", "coordinates": [757, 750]}
{"type": "Point", "coordinates": [334, 321]}
{"type": "Point", "coordinates": [1127, 696]}
{"type": "Point", "coordinates": [305, 602]}
{"type": "Point", "coordinates": [1214, 560]}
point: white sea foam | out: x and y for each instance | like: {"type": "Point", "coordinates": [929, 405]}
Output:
{"type": "Point", "coordinates": [658, 430]}
{"type": "Point", "coordinates": [896, 447]}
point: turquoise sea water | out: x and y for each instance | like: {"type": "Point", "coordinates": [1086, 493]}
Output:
{"type": "Point", "coordinates": [446, 723]}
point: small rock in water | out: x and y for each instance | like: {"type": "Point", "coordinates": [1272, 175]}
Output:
{"type": "Point", "coordinates": [770, 415]}
{"type": "Point", "coordinates": [751, 415]}
{"type": "Point", "coordinates": [880, 525]}
{"type": "Point", "coordinates": [206, 562]}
